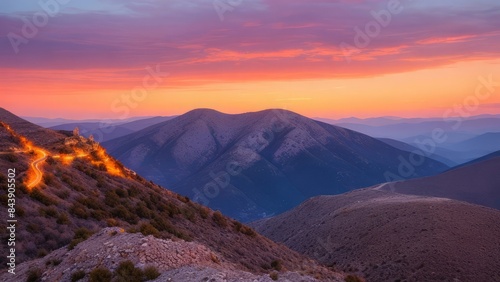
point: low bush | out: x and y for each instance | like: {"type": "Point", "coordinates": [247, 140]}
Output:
{"type": "Point", "coordinates": [218, 218]}
{"type": "Point", "coordinates": [151, 272]}
{"type": "Point", "coordinates": [78, 275]}
{"type": "Point", "coordinates": [127, 272]}
{"type": "Point", "coordinates": [34, 275]}
{"type": "Point", "coordinates": [100, 274]}
{"type": "Point", "coordinates": [81, 234]}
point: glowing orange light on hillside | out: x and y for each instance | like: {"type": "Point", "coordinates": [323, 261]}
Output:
{"type": "Point", "coordinates": [111, 166]}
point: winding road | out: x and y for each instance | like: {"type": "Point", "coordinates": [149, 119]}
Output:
{"type": "Point", "coordinates": [36, 169]}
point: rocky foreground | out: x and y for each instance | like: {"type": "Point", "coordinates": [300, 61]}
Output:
{"type": "Point", "coordinates": [174, 261]}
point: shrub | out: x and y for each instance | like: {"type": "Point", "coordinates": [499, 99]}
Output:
{"type": "Point", "coordinates": [151, 272]}
{"type": "Point", "coordinates": [183, 199]}
{"type": "Point", "coordinates": [54, 262]}
{"type": "Point", "coordinates": [248, 231]}
{"type": "Point", "coordinates": [189, 214]}
{"type": "Point", "coordinates": [81, 234]}
{"type": "Point", "coordinates": [63, 219]}
{"type": "Point", "coordinates": [218, 218]}
{"type": "Point", "coordinates": [100, 274]}
{"type": "Point", "coordinates": [142, 211]}
{"type": "Point", "coordinates": [274, 276]}
{"type": "Point", "coordinates": [111, 199]}
{"type": "Point", "coordinates": [48, 212]}
{"type": "Point", "coordinates": [79, 210]}
{"type": "Point", "coordinates": [123, 213]}
{"type": "Point", "coordinates": [147, 229]}
{"type": "Point", "coordinates": [277, 265]}
{"type": "Point", "coordinates": [78, 275]}
{"type": "Point", "coordinates": [38, 195]}
{"type": "Point", "coordinates": [204, 212]}
{"type": "Point", "coordinates": [127, 272]}
{"type": "Point", "coordinates": [41, 252]}
{"type": "Point", "coordinates": [34, 275]}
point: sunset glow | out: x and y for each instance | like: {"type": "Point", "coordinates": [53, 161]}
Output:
{"type": "Point", "coordinates": [175, 56]}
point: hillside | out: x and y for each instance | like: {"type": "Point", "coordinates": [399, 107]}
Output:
{"type": "Point", "coordinates": [386, 236]}
{"type": "Point", "coordinates": [477, 183]}
{"type": "Point", "coordinates": [173, 260]}
{"type": "Point", "coordinates": [83, 190]}
{"type": "Point", "coordinates": [257, 164]}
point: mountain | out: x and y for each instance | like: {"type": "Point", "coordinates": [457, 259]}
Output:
{"type": "Point", "coordinates": [103, 131]}
{"type": "Point", "coordinates": [51, 122]}
{"type": "Point", "coordinates": [479, 145]}
{"type": "Point", "coordinates": [481, 159]}
{"type": "Point", "coordinates": [68, 188]}
{"type": "Point", "coordinates": [409, 148]}
{"type": "Point", "coordinates": [478, 183]}
{"type": "Point", "coordinates": [258, 164]}
{"type": "Point", "coordinates": [33, 132]}
{"type": "Point", "coordinates": [457, 129]}
{"type": "Point", "coordinates": [385, 236]}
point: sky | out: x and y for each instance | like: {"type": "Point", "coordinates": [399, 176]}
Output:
{"type": "Point", "coordinates": [331, 59]}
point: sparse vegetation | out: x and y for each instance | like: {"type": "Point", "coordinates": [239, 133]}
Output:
{"type": "Point", "coordinates": [148, 229]}
{"type": "Point", "coordinates": [151, 272]}
{"type": "Point", "coordinates": [100, 274]}
{"type": "Point", "coordinates": [34, 275]}
{"type": "Point", "coordinates": [81, 234]}
{"type": "Point", "coordinates": [277, 265]}
{"type": "Point", "coordinates": [127, 272]}
{"type": "Point", "coordinates": [218, 218]}
{"type": "Point", "coordinates": [53, 262]}
{"type": "Point", "coordinates": [77, 275]}
{"type": "Point", "coordinates": [39, 196]}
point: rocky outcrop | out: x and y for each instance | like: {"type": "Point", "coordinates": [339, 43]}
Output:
{"type": "Point", "coordinates": [175, 260]}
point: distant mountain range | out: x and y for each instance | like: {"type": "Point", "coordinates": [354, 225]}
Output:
{"type": "Point", "coordinates": [104, 131]}
{"type": "Point", "coordinates": [257, 164]}
{"type": "Point", "coordinates": [463, 139]}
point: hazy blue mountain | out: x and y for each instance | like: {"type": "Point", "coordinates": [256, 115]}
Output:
{"type": "Point", "coordinates": [410, 148]}
{"type": "Point", "coordinates": [257, 164]}
{"type": "Point", "coordinates": [51, 122]}
{"type": "Point", "coordinates": [104, 131]}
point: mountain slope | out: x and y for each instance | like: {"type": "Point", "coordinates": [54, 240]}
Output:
{"type": "Point", "coordinates": [477, 183]}
{"type": "Point", "coordinates": [33, 132]}
{"type": "Point", "coordinates": [84, 190]}
{"type": "Point", "coordinates": [409, 148]}
{"type": "Point", "coordinates": [256, 164]}
{"type": "Point", "coordinates": [386, 236]}
{"type": "Point", "coordinates": [479, 145]}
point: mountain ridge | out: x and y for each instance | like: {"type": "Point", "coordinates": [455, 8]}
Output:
{"type": "Point", "coordinates": [279, 154]}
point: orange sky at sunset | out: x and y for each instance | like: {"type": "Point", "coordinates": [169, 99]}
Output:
{"type": "Point", "coordinates": [264, 54]}
{"type": "Point", "coordinates": [411, 94]}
